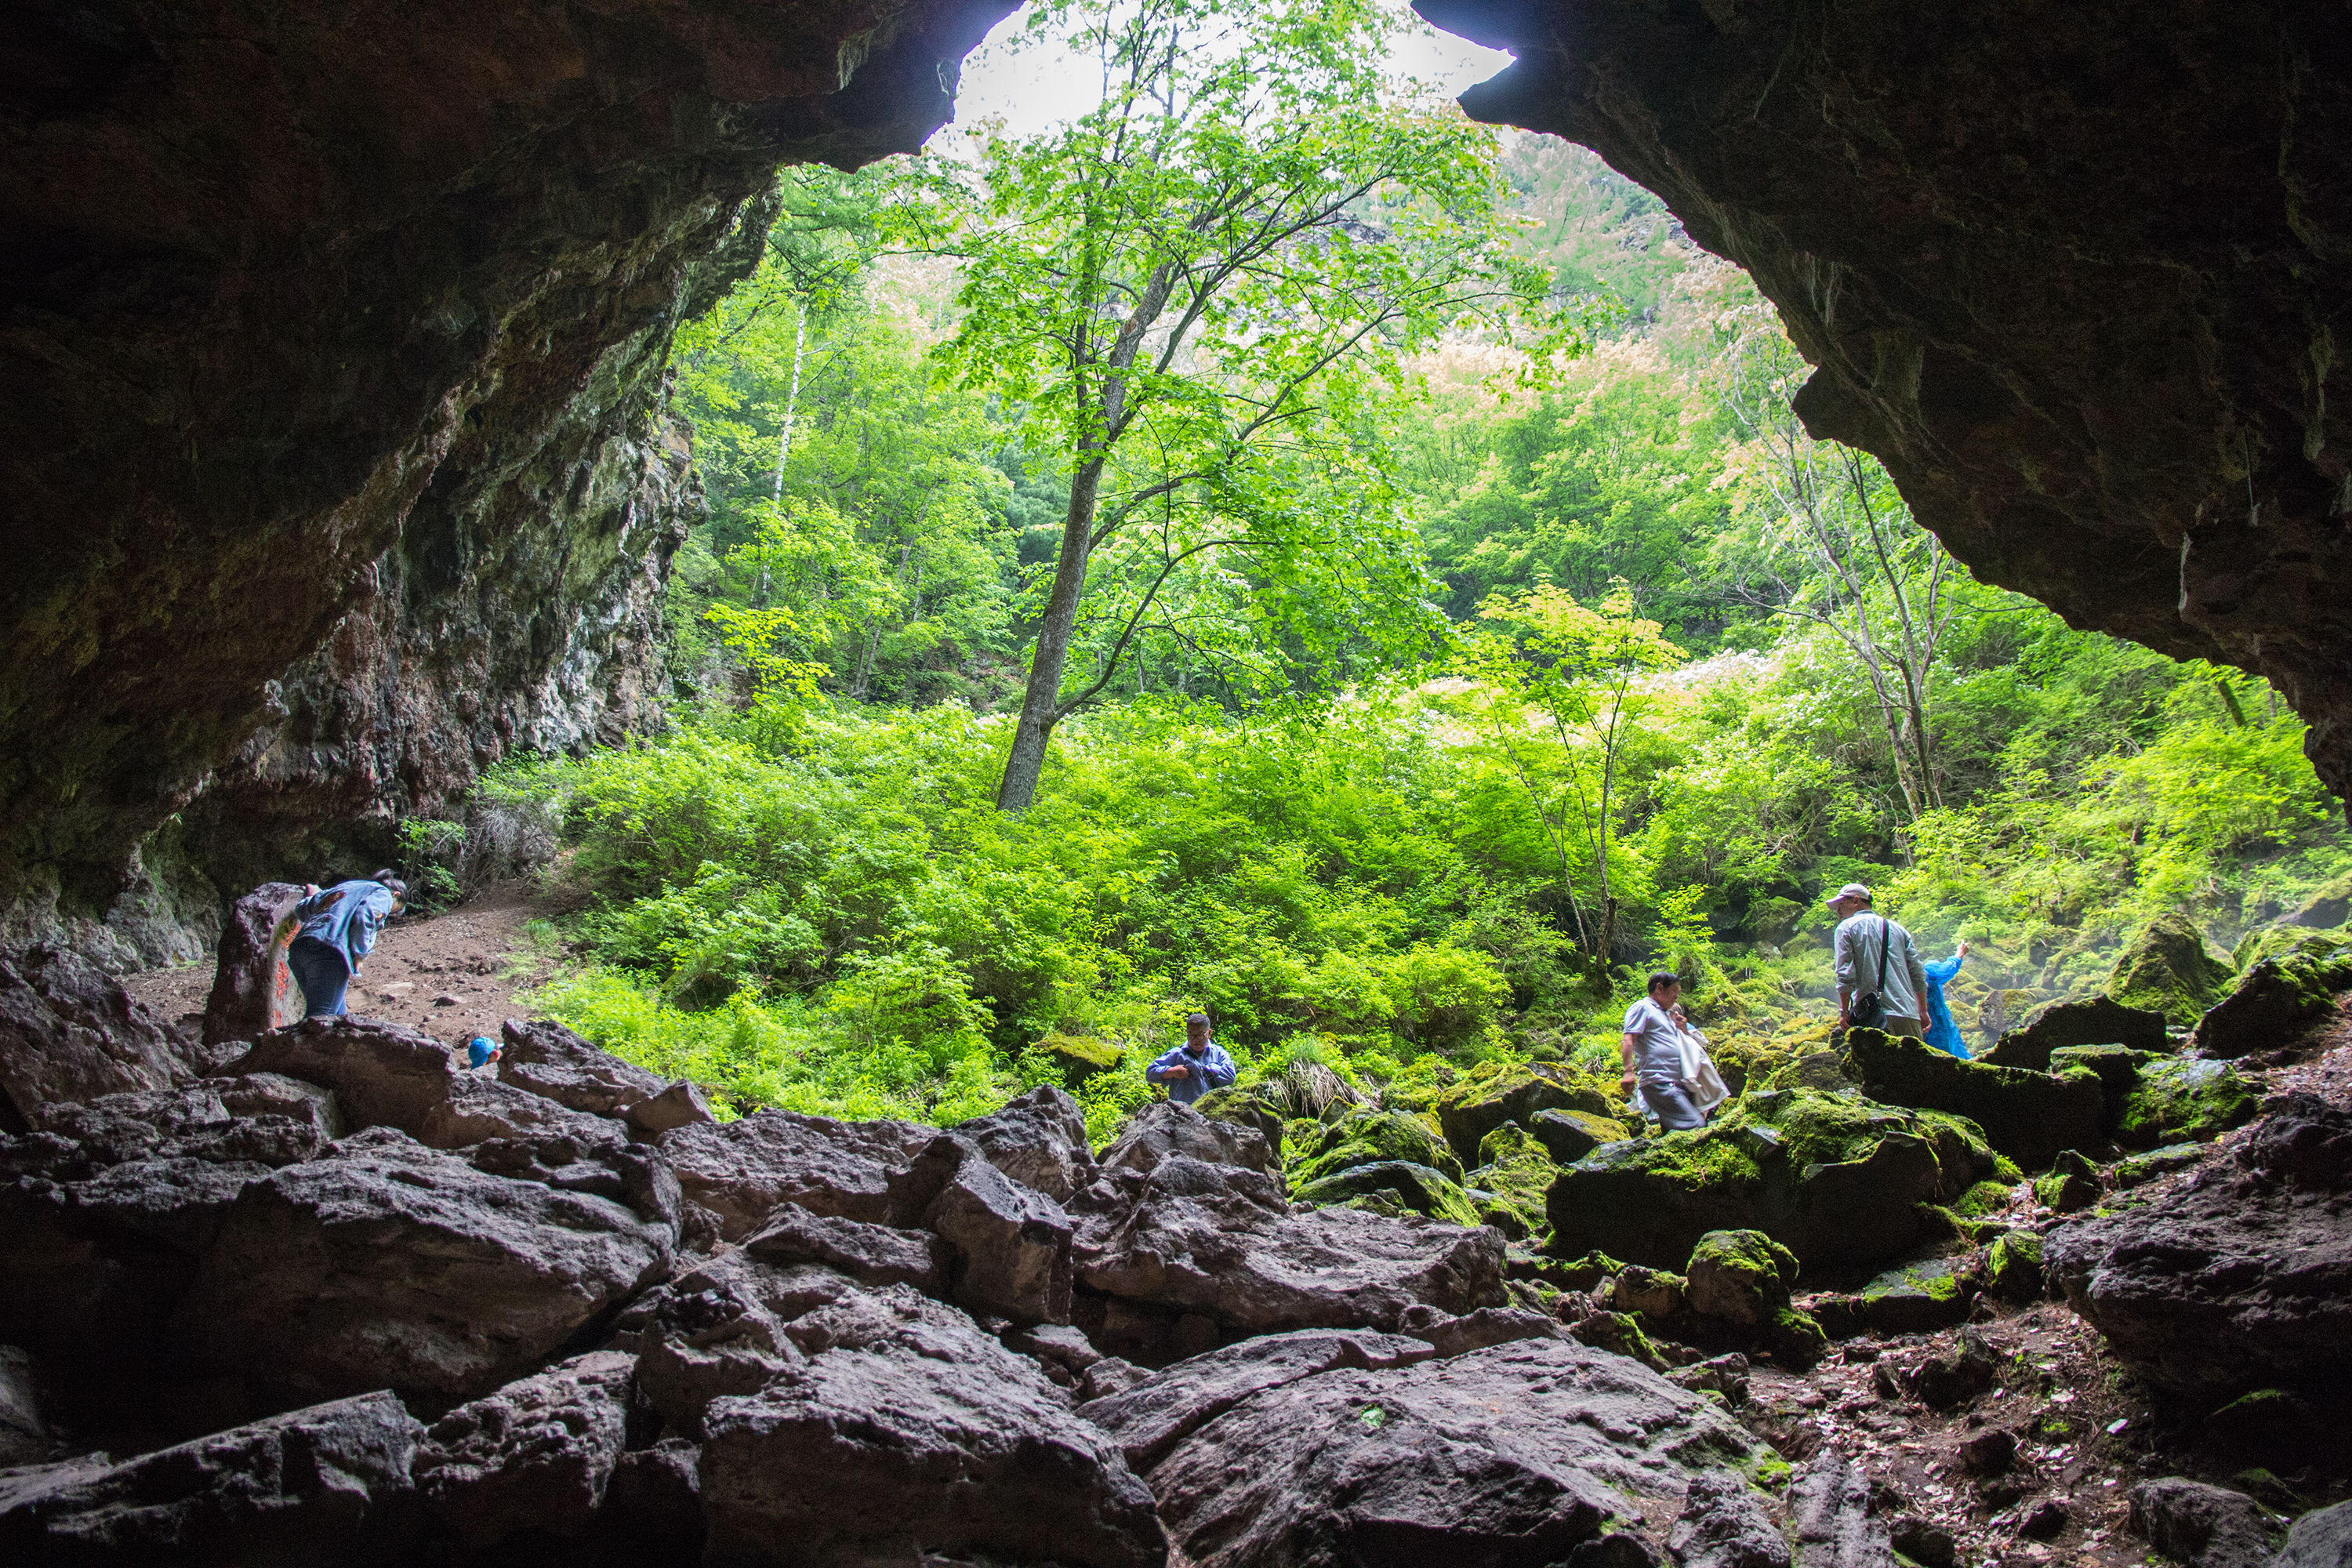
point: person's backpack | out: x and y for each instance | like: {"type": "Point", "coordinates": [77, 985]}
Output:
{"type": "Point", "coordinates": [1868, 1011]}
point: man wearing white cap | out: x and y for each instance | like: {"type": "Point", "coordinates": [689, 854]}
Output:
{"type": "Point", "coordinates": [1880, 979]}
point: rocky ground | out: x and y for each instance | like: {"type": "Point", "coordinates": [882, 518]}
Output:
{"type": "Point", "coordinates": [319, 1295]}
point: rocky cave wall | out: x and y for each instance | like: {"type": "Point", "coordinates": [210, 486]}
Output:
{"type": "Point", "coordinates": [2074, 273]}
{"type": "Point", "coordinates": [333, 463]}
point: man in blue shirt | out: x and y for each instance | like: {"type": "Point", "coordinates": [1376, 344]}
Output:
{"type": "Point", "coordinates": [1196, 1066]}
{"type": "Point", "coordinates": [338, 928]}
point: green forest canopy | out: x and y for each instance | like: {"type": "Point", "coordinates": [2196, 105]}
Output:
{"type": "Point", "coordinates": [1673, 669]}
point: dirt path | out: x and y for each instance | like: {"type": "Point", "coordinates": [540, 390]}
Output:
{"type": "Point", "coordinates": [452, 975]}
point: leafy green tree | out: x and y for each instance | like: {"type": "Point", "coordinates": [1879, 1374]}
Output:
{"type": "Point", "coordinates": [1562, 704]}
{"type": "Point", "coordinates": [1191, 288]}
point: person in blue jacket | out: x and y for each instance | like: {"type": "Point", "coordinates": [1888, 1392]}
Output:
{"type": "Point", "coordinates": [339, 928]}
{"type": "Point", "coordinates": [1196, 1066]}
{"type": "Point", "coordinates": [1942, 1033]}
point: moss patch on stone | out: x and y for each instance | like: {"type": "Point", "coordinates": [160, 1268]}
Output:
{"type": "Point", "coordinates": [1515, 1172]}
{"type": "Point", "coordinates": [1365, 1137]}
{"type": "Point", "coordinates": [2184, 1101]}
{"type": "Point", "coordinates": [1494, 1093]}
{"type": "Point", "coordinates": [1417, 1188]}
{"type": "Point", "coordinates": [2292, 978]}
{"type": "Point", "coordinates": [2169, 969]}
{"type": "Point", "coordinates": [1081, 1056]}
{"type": "Point", "coordinates": [2013, 1267]}
{"type": "Point", "coordinates": [1984, 1198]}
{"type": "Point", "coordinates": [1569, 1136]}
{"type": "Point", "coordinates": [2072, 1185]}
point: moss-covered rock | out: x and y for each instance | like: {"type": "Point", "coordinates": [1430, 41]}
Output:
{"type": "Point", "coordinates": [1984, 1198]}
{"type": "Point", "coordinates": [2118, 1068]}
{"type": "Point", "coordinates": [1833, 1177]}
{"type": "Point", "coordinates": [1494, 1093]}
{"type": "Point", "coordinates": [1822, 1070]}
{"type": "Point", "coordinates": [1569, 1136]}
{"type": "Point", "coordinates": [2071, 1186]}
{"type": "Point", "coordinates": [2093, 1021]}
{"type": "Point", "coordinates": [1081, 1056]}
{"type": "Point", "coordinates": [1917, 1297]}
{"type": "Point", "coordinates": [1740, 1276]}
{"type": "Point", "coordinates": [2183, 1100]}
{"type": "Point", "coordinates": [1364, 1138]}
{"type": "Point", "coordinates": [1620, 1335]}
{"type": "Point", "coordinates": [2013, 1267]}
{"type": "Point", "coordinates": [2328, 905]}
{"type": "Point", "coordinates": [1797, 1339]}
{"type": "Point", "coordinates": [2134, 1170]}
{"type": "Point", "coordinates": [1646, 1292]}
{"type": "Point", "coordinates": [2169, 969]}
{"type": "Point", "coordinates": [2028, 1116]}
{"type": "Point", "coordinates": [1256, 1105]}
{"type": "Point", "coordinates": [2294, 980]}
{"type": "Point", "coordinates": [1418, 1187]}
{"type": "Point", "coordinates": [1515, 1173]}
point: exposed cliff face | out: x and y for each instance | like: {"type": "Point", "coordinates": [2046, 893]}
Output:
{"type": "Point", "coordinates": [328, 413]}
{"type": "Point", "coordinates": [2075, 273]}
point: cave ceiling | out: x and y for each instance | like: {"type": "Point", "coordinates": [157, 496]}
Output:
{"type": "Point", "coordinates": [2075, 271]}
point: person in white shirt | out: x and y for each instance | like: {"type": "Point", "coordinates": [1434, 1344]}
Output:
{"type": "Point", "coordinates": [1653, 1049]}
{"type": "Point", "coordinates": [1875, 957]}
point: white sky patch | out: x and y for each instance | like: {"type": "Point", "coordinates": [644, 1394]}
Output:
{"type": "Point", "coordinates": [1032, 89]}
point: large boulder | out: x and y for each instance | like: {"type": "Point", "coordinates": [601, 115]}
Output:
{"type": "Point", "coordinates": [1836, 1518]}
{"type": "Point", "coordinates": [1365, 1137]}
{"type": "Point", "coordinates": [1833, 1177]}
{"type": "Point", "coordinates": [311, 1486]}
{"type": "Point", "coordinates": [1165, 1129]}
{"type": "Point", "coordinates": [1514, 1176]}
{"type": "Point", "coordinates": [543, 1056]}
{"type": "Point", "coordinates": [390, 1264]}
{"type": "Point", "coordinates": [1150, 1419]}
{"type": "Point", "coordinates": [2294, 983]}
{"type": "Point", "coordinates": [253, 991]}
{"type": "Point", "coordinates": [2320, 1539]}
{"type": "Point", "coordinates": [2097, 1021]}
{"type": "Point", "coordinates": [1513, 1091]}
{"type": "Point", "coordinates": [1398, 1183]}
{"type": "Point", "coordinates": [2028, 1116]}
{"type": "Point", "coordinates": [2180, 1100]}
{"type": "Point", "coordinates": [70, 1032]}
{"type": "Point", "coordinates": [1039, 1139]}
{"type": "Point", "coordinates": [99, 1255]}
{"type": "Point", "coordinates": [2168, 968]}
{"type": "Point", "coordinates": [740, 1171]}
{"type": "Point", "coordinates": [1010, 1242]}
{"type": "Point", "coordinates": [2241, 1279]}
{"type": "Point", "coordinates": [922, 1436]}
{"type": "Point", "coordinates": [873, 1255]}
{"type": "Point", "coordinates": [1569, 1136]}
{"type": "Point", "coordinates": [1218, 1244]}
{"type": "Point", "coordinates": [2200, 1525]}
{"type": "Point", "coordinates": [24, 1435]}
{"type": "Point", "coordinates": [535, 1456]}
{"type": "Point", "coordinates": [382, 1075]}
{"type": "Point", "coordinates": [1521, 1453]}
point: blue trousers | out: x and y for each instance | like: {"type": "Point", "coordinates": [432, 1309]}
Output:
{"type": "Point", "coordinates": [321, 973]}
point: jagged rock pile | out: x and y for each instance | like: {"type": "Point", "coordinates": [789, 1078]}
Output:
{"type": "Point", "coordinates": [320, 1295]}
{"type": "Point", "coordinates": [328, 1298]}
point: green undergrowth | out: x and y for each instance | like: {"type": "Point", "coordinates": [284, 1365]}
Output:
{"type": "Point", "coordinates": [815, 905]}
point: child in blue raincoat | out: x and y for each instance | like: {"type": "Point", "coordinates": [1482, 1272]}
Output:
{"type": "Point", "coordinates": [1942, 1033]}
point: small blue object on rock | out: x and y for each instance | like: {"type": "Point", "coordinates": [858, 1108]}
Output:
{"type": "Point", "coordinates": [481, 1049]}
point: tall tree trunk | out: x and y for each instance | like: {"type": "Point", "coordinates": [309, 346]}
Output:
{"type": "Point", "coordinates": [1040, 709]}
{"type": "Point", "coordinates": [791, 399]}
